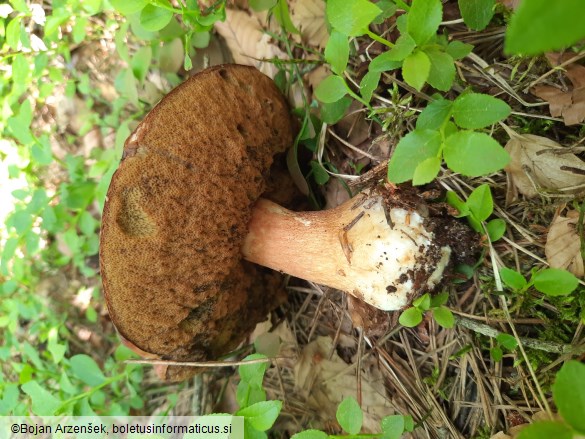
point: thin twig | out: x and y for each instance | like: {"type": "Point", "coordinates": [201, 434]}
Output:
{"type": "Point", "coordinates": [533, 343]}
{"type": "Point", "coordinates": [207, 363]}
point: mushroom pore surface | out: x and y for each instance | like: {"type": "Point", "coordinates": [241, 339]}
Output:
{"type": "Point", "coordinates": [177, 210]}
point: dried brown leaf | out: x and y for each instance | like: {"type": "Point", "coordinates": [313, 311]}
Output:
{"type": "Point", "coordinates": [540, 163]}
{"type": "Point", "coordinates": [563, 245]}
{"type": "Point", "coordinates": [308, 16]}
{"type": "Point", "coordinates": [247, 42]}
{"type": "Point", "coordinates": [569, 104]}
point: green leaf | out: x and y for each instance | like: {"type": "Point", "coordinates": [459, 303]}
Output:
{"type": "Point", "coordinates": [331, 89]}
{"type": "Point", "coordinates": [350, 416]}
{"type": "Point", "coordinates": [247, 395]}
{"type": "Point", "coordinates": [253, 373]}
{"type": "Point", "coordinates": [408, 423]}
{"type": "Point", "coordinates": [319, 173]}
{"type": "Point", "coordinates": [368, 85]}
{"type": "Point", "coordinates": [153, 18]}
{"type": "Point", "coordinates": [86, 223]}
{"type": "Point", "coordinates": [262, 414]}
{"type": "Point", "coordinates": [423, 302]}
{"type": "Point", "coordinates": [126, 84]}
{"type": "Point", "coordinates": [332, 112]}
{"type": "Point", "coordinates": [388, 10]}
{"type": "Point", "coordinates": [457, 49]}
{"type": "Point", "coordinates": [262, 5]}
{"type": "Point", "coordinates": [439, 299]}
{"type": "Point", "coordinates": [337, 52]}
{"type": "Point", "coordinates": [80, 29]}
{"type": "Point", "coordinates": [78, 195]}
{"type": "Point", "coordinates": [10, 399]}
{"type": "Point", "coordinates": [86, 369]}
{"type": "Point", "coordinates": [473, 154]}
{"type": "Point", "coordinates": [351, 17]}
{"type": "Point", "coordinates": [403, 47]}
{"type": "Point", "coordinates": [56, 349]}
{"type": "Point", "coordinates": [20, 5]}
{"type": "Point", "coordinates": [282, 15]}
{"type": "Point", "coordinates": [496, 353]}
{"type": "Point", "coordinates": [20, 68]}
{"type": "Point", "coordinates": [547, 430]}
{"type": "Point", "coordinates": [540, 26]}
{"type": "Point", "coordinates": [513, 279]}
{"type": "Point", "coordinates": [507, 341]}
{"type": "Point", "coordinates": [442, 71]}
{"type": "Point", "coordinates": [43, 402]}
{"type": "Point", "coordinates": [20, 130]}
{"type": "Point", "coordinates": [496, 229]}
{"type": "Point", "coordinates": [434, 115]}
{"type": "Point", "coordinates": [477, 13]}
{"type": "Point", "coordinates": [480, 202]}
{"type": "Point", "coordinates": [569, 394]}
{"type": "Point", "coordinates": [410, 317]}
{"type": "Point", "coordinates": [416, 69]}
{"type": "Point", "coordinates": [444, 317]}
{"type": "Point", "coordinates": [392, 427]}
{"type": "Point", "coordinates": [310, 434]}
{"type": "Point", "coordinates": [92, 7]}
{"type": "Point", "coordinates": [41, 152]}
{"type": "Point", "coordinates": [200, 40]}
{"type": "Point", "coordinates": [140, 63]}
{"type": "Point", "coordinates": [13, 33]}
{"type": "Point", "coordinates": [476, 110]}
{"type": "Point", "coordinates": [54, 21]}
{"type": "Point", "coordinates": [127, 7]}
{"type": "Point", "coordinates": [119, 39]}
{"type": "Point", "coordinates": [251, 433]}
{"type": "Point", "coordinates": [412, 149]}
{"type": "Point", "coordinates": [426, 171]}
{"type": "Point", "coordinates": [383, 63]}
{"type": "Point", "coordinates": [424, 18]}
{"type": "Point", "coordinates": [555, 282]}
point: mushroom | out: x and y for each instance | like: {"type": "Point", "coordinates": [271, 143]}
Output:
{"type": "Point", "coordinates": [184, 208]}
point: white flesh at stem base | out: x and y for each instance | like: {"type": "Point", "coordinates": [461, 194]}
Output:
{"type": "Point", "coordinates": [353, 248]}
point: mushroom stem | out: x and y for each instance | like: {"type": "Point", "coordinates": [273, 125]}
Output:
{"type": "Point", "coordinates": [380, 254]}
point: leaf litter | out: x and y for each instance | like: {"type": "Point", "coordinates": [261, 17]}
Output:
{"type": "Point", "coordinates": [570, 102]}
{"type": "Point", "coordinates": [540, 165]}
{"type": "Point", "coordinates": [563, 244]}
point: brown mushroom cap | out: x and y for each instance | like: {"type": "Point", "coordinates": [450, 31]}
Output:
{"type": "Point", "coordinates": [177, 211]}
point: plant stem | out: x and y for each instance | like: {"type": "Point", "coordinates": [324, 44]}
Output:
{"type": "Point", "coordinates": [82, 395]}
{"type": "Point", "coordinates": [379, 39]}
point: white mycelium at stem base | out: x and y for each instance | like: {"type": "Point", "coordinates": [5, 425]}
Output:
{"type": "Point", "coordinates": [382, 255]}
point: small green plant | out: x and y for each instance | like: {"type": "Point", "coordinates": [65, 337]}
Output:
{"type": "Point", "coordinates": [568, 393]}
{"type": "Point", "coordinates": [148, 17]}
{"type": "Point", "coordinates": [477, 209]}
{"type": "Point", "coordinates": [424, 57]}
{"type": "Point", "coordinates": [419, 154]}
{"type": "Point", "coordinates": [259, 414]}
{"type": "Point", "coordinates": [549, 281]}
{"type": "Point", "coordinates": [411, 317]}
{"type": "Point", "coordinates": [350, 418]}
{"type": "Point", "coordinates": [503, 342]}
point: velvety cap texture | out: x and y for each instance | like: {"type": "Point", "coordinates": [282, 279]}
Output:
{"type": "Point", "coordinates": [177, 211]}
